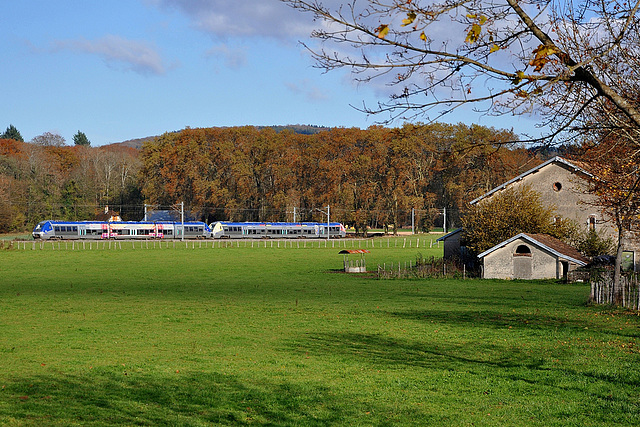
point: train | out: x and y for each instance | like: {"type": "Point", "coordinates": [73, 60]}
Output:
{"type": "Point", "coordinates": [276, 230]}
{"type": "Point", "coordinates": [132, 230]}
{"type": "Point", "coordinates": [125, 230]}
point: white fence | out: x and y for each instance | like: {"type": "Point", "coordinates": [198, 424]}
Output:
{"type": "Point", "coordinates": [602, 291]}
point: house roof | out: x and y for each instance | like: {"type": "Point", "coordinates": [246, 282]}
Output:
{"type": "Point", "coordinates": [546, 242]}
{"type": "Point", "coordinates": [446, 236]}
{"type": "Point", "coordinates": [576, 166]}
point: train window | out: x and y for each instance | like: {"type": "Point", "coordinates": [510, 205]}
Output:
{"type": "Point", "coordinates": [75, 228]}
{"type": "Point", "coordinates": [168, 232]}
{"type": "Point", "coordinates": [56, 229]}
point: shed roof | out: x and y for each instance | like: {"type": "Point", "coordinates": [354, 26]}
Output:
{"type": "Point", "coordinates": [576, 166]}
{"type": "Point", "coordinates": [446, 236]}
{"type": "Point", "coordinates": [354, 251]}
{"type": "Point", "coordinates": [546, 242]}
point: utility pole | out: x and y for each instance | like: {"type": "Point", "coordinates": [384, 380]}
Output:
{"type": "Point", "coordinates": [444, 221]}
{"type": "Point", "coordinates": [182, 218]}
{"type": "Point", "coordinates": [413, 220]}
{"type": "Point", "coordinates": [328, 222]}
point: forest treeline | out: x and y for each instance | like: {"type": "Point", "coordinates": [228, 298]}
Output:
{"type": "Point", "coordinates": [371, 177]}
{"type": "Point", "coordinates": [368, 177]}
{"type": "Point", "coordinates": [64, 182]}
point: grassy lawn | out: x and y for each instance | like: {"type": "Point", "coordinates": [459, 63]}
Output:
{"type": "Point", "coordinates": [240, 335]}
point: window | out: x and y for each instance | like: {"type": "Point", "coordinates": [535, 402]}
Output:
{"type": "Point", "coordinates": [557, 186]}
{"type": "Point", "coordinates": [522, 250]}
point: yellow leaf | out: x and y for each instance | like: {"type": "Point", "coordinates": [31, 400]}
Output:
{"type": "Point", "coordinates": [518, 78]}
{"type": "Point", "coordinates": [542, 54]}
{"type": "Point", "coordinates": [382, 31]}
{"type": "Point", "coordinates": [423, 37]}
{"type": "Point", "coordinates": [494, 48]}
{"type": "Point", "coordinates": [474, 33]}
{"type": "Point", "coordinates": [411, 16]}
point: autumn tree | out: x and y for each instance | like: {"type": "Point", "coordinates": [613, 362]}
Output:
{"type": "Point", "coordinates": [615, 166]}
{"type": "Point", "coordinates": [556, 58]}
{"type": "Point", "coordinates": [510, 212]}
{"type": "Point", "coordinates": [48, 139]}
{"type": "Point", "coordinates": [370, 177]}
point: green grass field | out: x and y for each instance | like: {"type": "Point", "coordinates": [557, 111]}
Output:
{"type": "Point", "coordinates": [240, 336]}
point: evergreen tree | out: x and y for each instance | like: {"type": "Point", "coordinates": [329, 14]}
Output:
{"type": "Point", "coordinates": [81, 139]}
{"type": "Point", "coordinates": [12, 133]}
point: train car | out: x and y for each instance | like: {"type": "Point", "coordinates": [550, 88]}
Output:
{"type": "Point", "coordinates": [124, 230]}
{"type": "Point", "coordinates": [275, 230]}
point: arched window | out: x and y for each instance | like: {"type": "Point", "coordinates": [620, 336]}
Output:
{"type": "Point", "coordinates": [522, 250]}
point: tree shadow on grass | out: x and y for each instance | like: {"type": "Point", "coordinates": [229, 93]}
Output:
{"type": "Point", "coordinates": [517, 320]}
{"type": "Point", "coordinates": [113, 398]}
{"type": "Point", "coordinates": [485, 360]}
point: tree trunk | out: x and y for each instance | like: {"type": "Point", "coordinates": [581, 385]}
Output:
{"type": "Point", "coordinates": [617, 269]}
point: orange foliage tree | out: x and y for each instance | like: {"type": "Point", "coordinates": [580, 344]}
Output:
{"type": "Point", "coordinates": [615, 164]}
{"type": "Point", "coordinates": [370, 177]}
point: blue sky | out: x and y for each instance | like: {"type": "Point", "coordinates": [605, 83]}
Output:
{"type": "Point", "coordinates": [118, 70]}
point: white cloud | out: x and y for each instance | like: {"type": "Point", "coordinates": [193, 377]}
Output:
{"type": "Point", "coordinates": [133, 55]}
{"type": "Point", "coordinates": [244, 18]}
{"type": "Point", "coordinates": [308, 90]}
{"type": "Point", "coordinates": [233, 58]}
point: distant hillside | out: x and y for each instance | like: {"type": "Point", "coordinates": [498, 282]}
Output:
{"type": "Point", "coordinates": [301, 129]}
{"type": "Point", "coordinates": [135, 143]}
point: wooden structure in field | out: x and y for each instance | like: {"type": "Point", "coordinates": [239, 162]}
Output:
{"type": "Point", "coordinates": [358, 265]}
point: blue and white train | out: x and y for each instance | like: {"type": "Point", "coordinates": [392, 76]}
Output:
{"type": "Point", "coordinates": [276, 230]}
{"type": "Point", "coordinates": [125, 230]}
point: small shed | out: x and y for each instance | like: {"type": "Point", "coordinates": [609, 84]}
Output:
{"type": "Point", "coordinates": [530, 256]}
{"type": "Point", "coordinates": [452, 244]}
{"type": "Point", "coordinates": [358, 265]}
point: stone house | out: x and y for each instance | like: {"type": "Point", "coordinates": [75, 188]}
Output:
{"type": "Point", "coordinates": [530, 256]}
{"type": "Point", "coordinates": [563, 184]}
